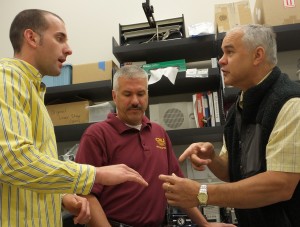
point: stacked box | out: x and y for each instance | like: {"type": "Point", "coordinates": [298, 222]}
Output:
{"type": "Point", "coordinates": [229, 15]}
{"type": "Point", "coordinates": [92, 72]}
{"type": "Point", "coordinates": [277, 12]}
{"type": "Point", "coordinates": [69, 113]}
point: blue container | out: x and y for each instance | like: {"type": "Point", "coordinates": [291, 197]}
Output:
{"type": "Point", "coordinates": [65, 77]}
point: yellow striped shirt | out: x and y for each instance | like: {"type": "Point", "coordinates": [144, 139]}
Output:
{"type": "Point", "coordinates": [31, 177]}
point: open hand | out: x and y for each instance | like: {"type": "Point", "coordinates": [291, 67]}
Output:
{"type": "Point", "coordinates": [117, 174]}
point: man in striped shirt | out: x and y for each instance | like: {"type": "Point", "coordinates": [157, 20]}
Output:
{"type": "Point", "coordinates": [32, 179]}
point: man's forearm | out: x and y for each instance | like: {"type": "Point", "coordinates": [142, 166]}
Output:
{"type": "Point", "coordinates": [98, 217]}
{"type": "Point", "coordinates": [219, 167]}
{"type": "Point", "coordinates": [263, 189]}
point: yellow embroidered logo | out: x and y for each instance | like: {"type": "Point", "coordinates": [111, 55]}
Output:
{"type": "Point", "coordinates": [161, 143]}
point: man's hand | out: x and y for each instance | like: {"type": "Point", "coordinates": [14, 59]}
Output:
{"type": "Point", "coordinates": [117, 174]}
{"type": "Point", "coordinates": [78, 206]}
{"type": "Point", "coordinates": [200, 155]}
{"type": "Point", "coordinates": [181, 192]}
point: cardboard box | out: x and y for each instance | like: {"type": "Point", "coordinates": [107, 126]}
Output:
{"type": "Point", "coordinates": [69, 113]}
{"type": "Point", "coordinates": [277, 12]}
{"type": "Point", "coordinates": [98, 71]}
{"type": "Point", "coordinates": [229, 15]}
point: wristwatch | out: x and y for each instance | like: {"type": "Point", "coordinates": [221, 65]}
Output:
{"type": "Point", "coordinates": [203, 196]}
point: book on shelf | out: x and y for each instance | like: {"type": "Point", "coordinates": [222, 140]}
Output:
{"type": "Point", "coordinates": [198, 109]}
{"type": "Point", "coordinates": [206, 111]}
{"type": "Point", "coordinates": [195, 109]}
{"type": "Point", "coordinates": [211, 108]}
{"type": "Point", "coordinates": [216, 108]}
{"type": "Point", "coordinates": [219, 107]}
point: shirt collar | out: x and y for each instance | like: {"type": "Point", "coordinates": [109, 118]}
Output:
{"type": "Point", "coordinates": [27, 70]}
{"type": "Point", "coordinates": [121, 127]}
{"type": "Point", "coordinates": [242, 93]}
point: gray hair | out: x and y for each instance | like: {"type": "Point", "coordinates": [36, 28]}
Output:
{"type": "Point", "coordinates": [129, 71]}
{"type": "Point", "coordinates": [260, 35]}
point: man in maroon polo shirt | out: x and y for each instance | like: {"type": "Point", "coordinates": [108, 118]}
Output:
{"type": "Point", "coordinates": [129, 137]}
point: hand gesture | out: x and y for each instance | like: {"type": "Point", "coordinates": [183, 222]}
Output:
{"type": "Point", "coordinates": [200, 155]}
{"type": "Point", "coordinates": [117, 174]}
{"type": "Point", "coordinates": [180, 192]}
{"type": "Point", "coordinates": [78, 206]}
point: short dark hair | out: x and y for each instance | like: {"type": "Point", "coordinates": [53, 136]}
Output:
{"type": "Point", "coordinates": [28, 19]}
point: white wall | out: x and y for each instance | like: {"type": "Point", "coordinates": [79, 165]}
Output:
{"type": "Point", "coordinates": [91, 24]}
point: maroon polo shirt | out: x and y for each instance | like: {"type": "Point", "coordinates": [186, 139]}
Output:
{"type": "Point", "coordinates": [148, 151]}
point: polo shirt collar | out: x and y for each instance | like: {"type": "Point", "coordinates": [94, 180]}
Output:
{"type": "Point", "coordinates": [121, 127]}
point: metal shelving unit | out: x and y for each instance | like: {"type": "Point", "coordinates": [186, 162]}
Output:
{"type": "Point", "coordinates": [191, 49]}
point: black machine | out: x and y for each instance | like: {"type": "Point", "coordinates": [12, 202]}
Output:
{"type": "Point", "coordinates": [152, 30]}
{"type": "Point", "coordinates": [149, 13]}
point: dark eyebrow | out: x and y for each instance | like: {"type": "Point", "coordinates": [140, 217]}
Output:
{"type": "Point", "coordinates": [228, 47]}
{"type": "Point", "coordinates": [64, 35]}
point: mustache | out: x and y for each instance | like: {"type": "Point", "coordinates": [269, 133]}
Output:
{"type": "Point", "coordinates": [135, 108]}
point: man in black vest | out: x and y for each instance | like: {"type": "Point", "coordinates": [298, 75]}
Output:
{"type": "Point", "coordinates": [260, 157]}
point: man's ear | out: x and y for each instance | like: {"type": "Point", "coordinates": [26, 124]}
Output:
{"type": "Point", "coordinates": [259, 55]}
{"type": "Point", "coordinates": [113, 95]}
{"type": "Point", "coordinates": [31, 38]}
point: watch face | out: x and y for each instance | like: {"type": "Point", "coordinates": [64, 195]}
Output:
{"type": "Point", "coordinates": [202, 197]}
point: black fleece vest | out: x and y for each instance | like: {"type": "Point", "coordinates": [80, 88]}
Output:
{"type": "Point", "coordinates": [246, 135]}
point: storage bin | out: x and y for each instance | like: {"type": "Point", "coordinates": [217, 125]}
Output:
{"type": "Point", "coordinates": [99, 111]}
{"type": "Point", "coordinates": [64, 78]}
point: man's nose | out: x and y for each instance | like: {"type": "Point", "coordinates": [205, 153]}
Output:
{"type": "Point", "coordinates": [68, 50]}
